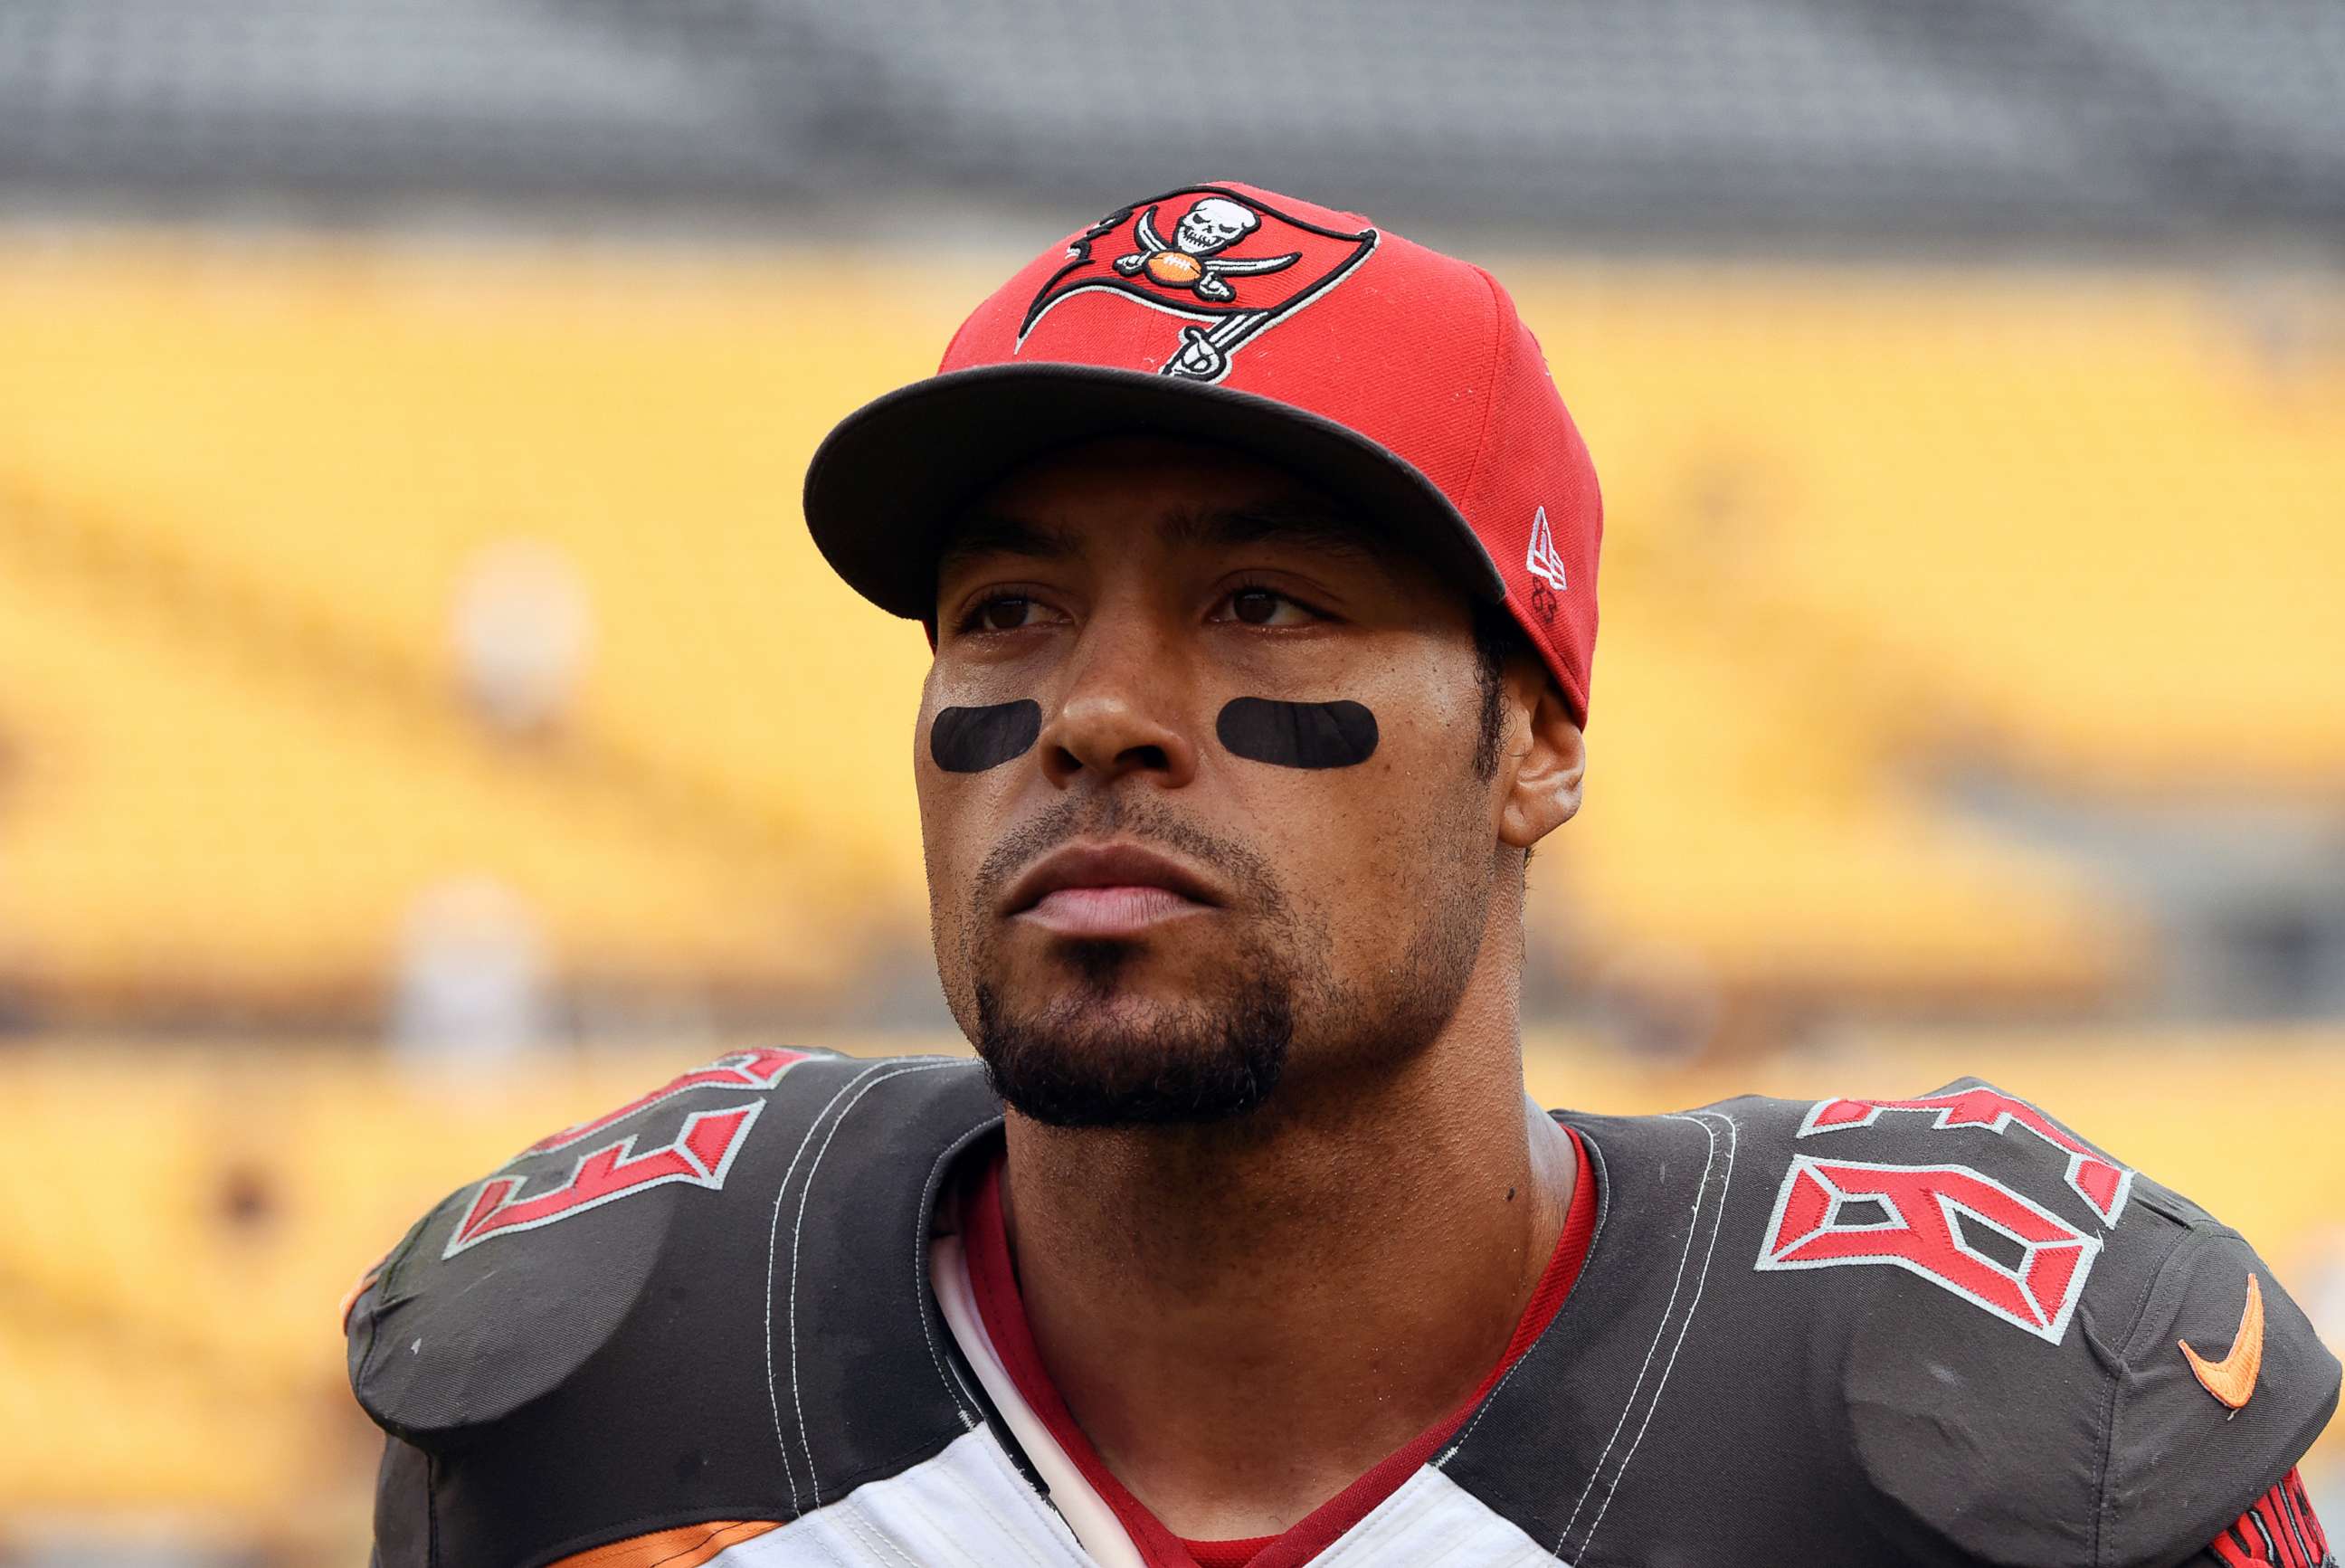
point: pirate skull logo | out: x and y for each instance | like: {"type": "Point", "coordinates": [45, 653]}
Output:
{"type": "Point", "coordinates": [1192, 259]}
{"type": "Point", "coordinates": [1177, 259]}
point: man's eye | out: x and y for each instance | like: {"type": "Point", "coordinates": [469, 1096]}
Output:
{"type": "Point", "coordinates": [1264, 607]}
{"type": "Point", "coordinates": [1006, 614]}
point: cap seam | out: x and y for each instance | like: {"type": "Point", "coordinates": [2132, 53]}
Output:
{"type": "Point", "coordinates": [1557, 660]}
{"type": "Point", "coordinates": [1490, 402]}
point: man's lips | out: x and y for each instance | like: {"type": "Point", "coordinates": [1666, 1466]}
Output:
{"type": "Point", "coordinates": [1107, 890]}
{"type": "Point", "coordinates": [1108, 911]}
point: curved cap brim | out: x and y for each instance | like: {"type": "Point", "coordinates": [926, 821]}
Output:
{"type": "Point", "coordinates": [889, 480]}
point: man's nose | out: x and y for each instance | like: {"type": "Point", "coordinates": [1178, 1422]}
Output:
{"type": "Point", "coordinates": [1121, 713]}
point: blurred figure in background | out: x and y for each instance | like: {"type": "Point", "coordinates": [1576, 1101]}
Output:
{"type": "Point", "coordinates": [523, 633]}
{"type": "Point", "coordinates": [474, 980]}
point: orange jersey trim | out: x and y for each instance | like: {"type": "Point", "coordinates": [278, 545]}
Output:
{"type": "Point", "coordinates": [686, 1546]}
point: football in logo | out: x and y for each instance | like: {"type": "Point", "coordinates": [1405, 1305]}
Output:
{"type": "Point", "coordinates": [1231, 264]}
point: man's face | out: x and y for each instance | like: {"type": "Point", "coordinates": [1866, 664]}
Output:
{"type": "Point", "coordinates": [1134, 921]}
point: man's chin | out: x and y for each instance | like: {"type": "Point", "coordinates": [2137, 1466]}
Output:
{"type": "Point", "coordinates": [1111, 1057]}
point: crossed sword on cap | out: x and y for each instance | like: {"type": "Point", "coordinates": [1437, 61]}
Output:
{"type": "Point", "coordinates": [1205, 351]}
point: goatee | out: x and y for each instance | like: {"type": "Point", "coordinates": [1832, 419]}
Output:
{"type": "Point", "coordinates": [1076, 1065]}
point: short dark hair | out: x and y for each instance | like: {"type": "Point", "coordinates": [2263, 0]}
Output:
{"type": "Point", "coordinates": [1498, 639]}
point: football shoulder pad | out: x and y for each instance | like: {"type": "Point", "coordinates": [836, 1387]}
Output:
{"type": "Point", "coordinates": [710, 1303]}
{"type": "Point", "coordinates": [2035, 1355]}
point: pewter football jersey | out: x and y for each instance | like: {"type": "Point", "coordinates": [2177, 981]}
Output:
{"type": "Point", "coordinates": [727, 1322]}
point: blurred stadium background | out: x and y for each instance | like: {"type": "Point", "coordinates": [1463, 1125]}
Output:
{"type": "Point", "coordinates": [423, 721]}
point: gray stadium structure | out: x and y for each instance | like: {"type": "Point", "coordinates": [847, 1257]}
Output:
{"type": "Point", "coordinates": [2177, 121]}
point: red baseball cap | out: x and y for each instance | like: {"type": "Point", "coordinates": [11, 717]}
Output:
{"type": "Point", "coordinates": [1395, 377]}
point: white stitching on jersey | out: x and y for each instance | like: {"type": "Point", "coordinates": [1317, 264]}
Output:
{"type": "Point", "coordinates": [1733, 1137]}
{"type": "Point", "coordinates": [1662, 1327]}
{"type": "Point", "coordinates": [868, 1532]}
{"type": "Point", "coordinates": [1667, 1310]}
{"type": "Point", "coordinates": [773, 1240]}
{"type": "Point", "coordinates": [797, 1232]}
{"type": "Point", "coordinates": [972, 1417]}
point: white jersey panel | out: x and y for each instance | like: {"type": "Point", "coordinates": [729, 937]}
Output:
{"type": "Point", "coordinates": [966, 1507]}
{"type": "Point", "coordinates": [1433, 1523]}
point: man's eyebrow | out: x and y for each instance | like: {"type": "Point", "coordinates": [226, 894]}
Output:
{"type": "Point", "coordinates": [995, 533]}
{"type": "Point", "coordinates": [1305, 526]}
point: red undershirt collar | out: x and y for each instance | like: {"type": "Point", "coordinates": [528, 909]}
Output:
{"type": "Point", "coordinates": [993, 1280]}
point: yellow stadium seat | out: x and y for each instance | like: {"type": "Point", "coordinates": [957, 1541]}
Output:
{"type": "Point", "coordinates": [1868, 528]}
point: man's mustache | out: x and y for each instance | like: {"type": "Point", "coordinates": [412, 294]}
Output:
{"type": "Point", "coordinates": [1111, 814]}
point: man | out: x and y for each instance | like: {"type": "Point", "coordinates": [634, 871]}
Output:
{"type": "Point", "coordinates": [1262, 616]}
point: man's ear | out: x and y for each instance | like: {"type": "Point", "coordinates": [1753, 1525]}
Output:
{"type": "Point", "coordinates": [1547, 769]}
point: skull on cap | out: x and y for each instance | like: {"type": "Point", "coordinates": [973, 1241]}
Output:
{"type": "Point", "coordinates": [1192, 259]}
{"type": "Point", "coordinates": [1213, 224]}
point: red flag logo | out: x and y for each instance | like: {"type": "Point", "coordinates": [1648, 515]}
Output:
{"type": "Point", "coordinates": [1212, 255]}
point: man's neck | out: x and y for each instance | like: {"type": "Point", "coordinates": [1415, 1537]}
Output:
{"type": "Point", "coordinates": [1245, 1317]}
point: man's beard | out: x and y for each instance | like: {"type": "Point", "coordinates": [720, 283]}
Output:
{"type": "Point", "coordinates": [1082, 1060]}
{"type": "Point", "coordinates": [1078, 1063]}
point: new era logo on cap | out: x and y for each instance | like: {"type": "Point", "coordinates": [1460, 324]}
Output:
{"type": "Point", "coordinates": [1542, 560]}
{"type": "Point", "coordinates": [1396, 378]}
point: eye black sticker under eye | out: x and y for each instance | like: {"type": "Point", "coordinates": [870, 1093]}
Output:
{"type": "Point", "coordinates": [973, 740]}
{"type": "Point", "coordinates": [1298, 734]}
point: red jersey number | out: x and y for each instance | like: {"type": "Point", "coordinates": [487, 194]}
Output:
{"type": "Point", "coordinates": [2099, 1180]}
{"type": "Point", "coordinates": [1957, 1227]}
{"type": "Point", "coordinates": [700, 1154]}
{"type": "Point", "coordinates": [1961, 1231]}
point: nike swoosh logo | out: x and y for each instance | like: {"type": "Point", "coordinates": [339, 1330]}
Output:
{"type": "Point", "coordinates": [2232, 1380]}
